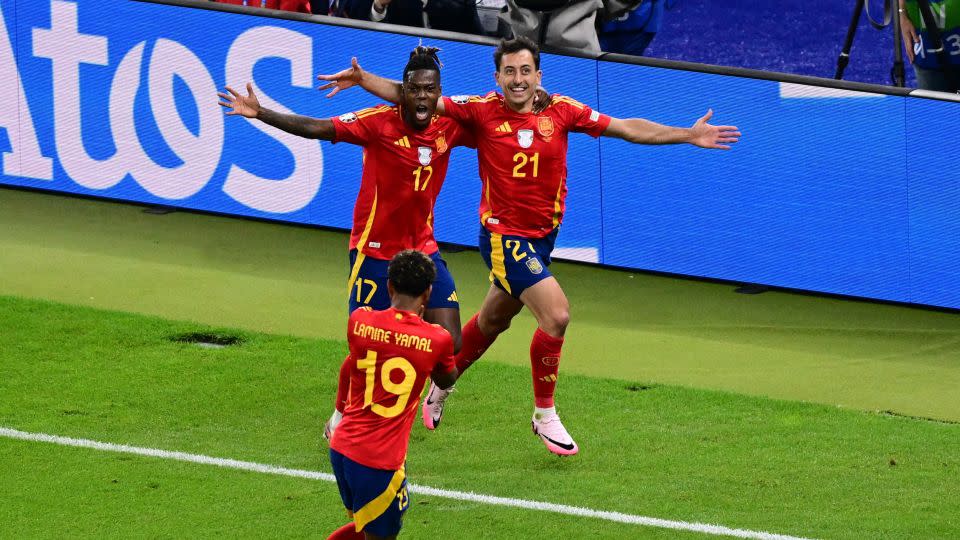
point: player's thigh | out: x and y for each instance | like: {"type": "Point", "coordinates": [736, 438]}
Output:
{"type": "Point", "coordinates": [497, 310]}
{"type": "Point", "coordinates": [343, 483]}
{"type": "Point", "coordinates": [516, 263]}
{"type": "Point", "coordinates": [444, 294]}
{"type": "Point", "coordinates": [443, 307]}
{"type": "Point", "coordinates": [379, 498]}
{"type": "Point", "coordinates": [368, 282]}
{"type": "Point", "coordinates": [449, 319]}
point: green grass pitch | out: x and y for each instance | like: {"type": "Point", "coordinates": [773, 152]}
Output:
{"type": "Point", "coordinates": [690, 403]}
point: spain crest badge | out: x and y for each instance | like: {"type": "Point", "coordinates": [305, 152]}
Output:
{"type": "Point", "coordinates": [545, 125]}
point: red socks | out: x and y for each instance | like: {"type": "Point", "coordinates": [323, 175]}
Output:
{"type": "Point", "coordinates": [544, 358]}
{"type": "Point", "coordinates": [474, 344]}
{"type": "Point", "coordinates": [544, 364]}
{"type": "Point", "coordinates": [347, 532]}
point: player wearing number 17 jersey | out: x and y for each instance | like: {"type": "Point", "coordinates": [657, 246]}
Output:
{"type": "Point", "coordinates": [392, 354]}
{"type": "Point", "coordinates": [406, 150]}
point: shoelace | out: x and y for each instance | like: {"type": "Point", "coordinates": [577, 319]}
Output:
{"type": "Point", "coordinates": [549, 420]}
{"type": "Point", "coordinates": [443, 395]}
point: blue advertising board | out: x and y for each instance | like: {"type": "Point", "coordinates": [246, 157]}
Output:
{"type": "Point", "coordinates": [825, 192]}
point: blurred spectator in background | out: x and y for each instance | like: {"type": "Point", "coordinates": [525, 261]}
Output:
{"type": "Point", "coordinates": [632, 32]}
{"type": "Point", "coordinates": [452, 15]}
{"type": "Point", "coordinates": [568, 24]}
{"type": "Point", "coordinates": [300, 6]}
{"type": "Point", "coordinates": [931, 72]}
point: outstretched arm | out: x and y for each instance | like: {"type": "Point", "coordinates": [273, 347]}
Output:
{"type": "Point", "coordinates": [354, 75]}
{"type": "Point", "coordinates": [249, 107]}
{"type": "Point", "coordinates": [702, 134]}
{"type": "Point", "coordinates": [389, 90]}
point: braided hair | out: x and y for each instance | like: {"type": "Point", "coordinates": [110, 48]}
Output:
{"type": "Point", "coordinates": [423, 57]}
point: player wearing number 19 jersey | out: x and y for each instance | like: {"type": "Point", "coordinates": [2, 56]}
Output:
{"type": "Point", "coordinates": [392, 354]}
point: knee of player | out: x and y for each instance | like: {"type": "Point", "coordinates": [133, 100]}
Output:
{"type": "Point", "coordinates": [557, 321]}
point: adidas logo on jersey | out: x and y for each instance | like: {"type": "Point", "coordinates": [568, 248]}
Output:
{"type": "Point", "coordinates": [504, 128]}
{"type": "Point", "coordinates": [403, 142]}
{"type": "Point", "coordinates": [453, 297]}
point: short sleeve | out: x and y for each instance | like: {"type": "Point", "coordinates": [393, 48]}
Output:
{"type": "Point", "coordinates": [583, 119]}
{"type": "Point", "coordinates": [463, 109]}
{"type": "Point", "coordinates": [353, 129]}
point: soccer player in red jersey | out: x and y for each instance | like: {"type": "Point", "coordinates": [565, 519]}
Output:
{"type": "Point", "coordinates": [523, 167]}
{"type": "Point", "coordinates": [392, 354]}
{"type": "Point", "coordinates": [406, 153]}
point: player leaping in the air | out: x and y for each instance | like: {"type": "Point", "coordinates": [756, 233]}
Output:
{"type": "Point", "coordinates": [523, 165]}
{"type": "Point", "coordinates": [392, 354]}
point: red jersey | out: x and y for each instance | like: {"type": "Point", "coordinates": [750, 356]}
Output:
{"type": "Point", "coordinates": [523, 159]}
{"type": "Point", "coordinates": [403, 170]}
{"type": "Point", "coordinates": [392, 354]}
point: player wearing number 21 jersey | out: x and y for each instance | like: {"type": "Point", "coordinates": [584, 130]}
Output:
{"type": "Point", "coordinates": [523, 159]}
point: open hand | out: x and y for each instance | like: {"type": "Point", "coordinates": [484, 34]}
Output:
{"type": "Point", "coordinates": [344, 79]}
{"type": "Point", "coordinates": [247, 106]}
{"type": "Point", "coordinates": [541, 100]}
{"type": "Point", "coordinates": [706, 135]}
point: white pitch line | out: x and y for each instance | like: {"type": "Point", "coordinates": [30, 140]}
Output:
{"type": "Point", "coordinates": [632, 519]}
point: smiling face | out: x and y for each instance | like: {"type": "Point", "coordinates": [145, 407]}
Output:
{"type": "Point", "coordinates": [518, 77]}
{"type": "Point", "coordinates": [418, 97]}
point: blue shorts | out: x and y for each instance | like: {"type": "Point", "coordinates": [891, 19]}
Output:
{"type": "Point", "coordinates": [368, 284]}
{"type": "Point", "coordinates": [375, 498]}
{"type": "Point", "coordinates": [515, 262]}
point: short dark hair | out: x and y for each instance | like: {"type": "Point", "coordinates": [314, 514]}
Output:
{"type": "Point", "coordinates": [411, 272]}
{"type": "Point", "coordinates": [423, 58]}
{"type": "Point", "coordinates": [510, 46]}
